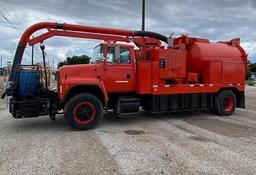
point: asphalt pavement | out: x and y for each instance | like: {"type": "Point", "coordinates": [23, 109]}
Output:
{"type": "Point", "coordinates": [177, 143]}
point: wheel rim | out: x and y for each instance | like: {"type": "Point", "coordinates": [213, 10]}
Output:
{"type": "Point", "coordinates": [228, 104]}
{"type": "Point", "coordinates": [84, 113]}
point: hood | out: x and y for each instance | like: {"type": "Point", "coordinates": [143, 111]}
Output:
{"type": "Point", "coordinates": [79, 70]}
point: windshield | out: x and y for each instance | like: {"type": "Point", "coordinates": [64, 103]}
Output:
{"type": "Point", "coordinates": [97, 54]}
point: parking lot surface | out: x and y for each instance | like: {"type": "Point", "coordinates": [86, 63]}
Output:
{"type": "Point", "coordinates": [177, 143]}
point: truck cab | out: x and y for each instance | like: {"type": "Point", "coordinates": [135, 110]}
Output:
{"type": "Point", "coordinates": [118, 74]}
{"type": "Point", "coordinates": [111, 68]}
{"type": "Point", "coordinates": [110, 77]}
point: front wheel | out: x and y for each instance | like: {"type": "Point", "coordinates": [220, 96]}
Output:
{"type": "Point", "coordinates": [225, 103]}
{"type": "Point", "coordinates": [83, 111]}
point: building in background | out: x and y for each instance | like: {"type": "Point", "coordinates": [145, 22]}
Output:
{"type": "Point", "coordinates": [3, 71]}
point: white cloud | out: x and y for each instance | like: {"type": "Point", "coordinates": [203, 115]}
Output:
{"type": "Point", "coordinates": [216, 20]}
{"type": "Point", "coordinates": [61, 55]}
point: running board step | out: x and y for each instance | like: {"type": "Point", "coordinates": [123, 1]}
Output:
{"type": "Point", "coordinates": [128, 105]}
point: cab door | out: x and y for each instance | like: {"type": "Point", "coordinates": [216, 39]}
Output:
{"type": "Point", "coordinates": [119, 73]}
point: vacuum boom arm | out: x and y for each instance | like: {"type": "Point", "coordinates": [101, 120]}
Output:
{"type": "Point", "coordinates": [78, 31]}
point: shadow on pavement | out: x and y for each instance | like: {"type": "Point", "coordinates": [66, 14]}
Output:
{"type": "Point", "coordinates": [44, 123]}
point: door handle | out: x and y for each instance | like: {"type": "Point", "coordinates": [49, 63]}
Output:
{"type": "Point", "coordinates": [128, 76]}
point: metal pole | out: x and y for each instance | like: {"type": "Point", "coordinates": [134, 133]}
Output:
{"type": "Point", "coordinates": [32, 57]}
{"type": "Point", "coordinates": [143, 15]}
{"type": "Point", "coordinates": [45, 71]}
{"type": "Point", "coordinates": [53, 64]}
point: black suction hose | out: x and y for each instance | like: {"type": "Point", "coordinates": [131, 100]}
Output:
{"type": "Point", "coordinates": [151, 35]}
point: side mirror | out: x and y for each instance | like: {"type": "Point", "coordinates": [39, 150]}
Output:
{"type": "Point", "coordinates": [117, 54]}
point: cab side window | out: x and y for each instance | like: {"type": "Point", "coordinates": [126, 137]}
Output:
{"type": "Point", "coordinates": [124, 56]}
{"type": "Point", "coordinates": [110, 55]}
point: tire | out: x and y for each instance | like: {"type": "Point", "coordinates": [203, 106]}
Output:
{"type": "Point", "coordinates": [83, 112]}
{"type": "Point", "coordinates": [225, 103]}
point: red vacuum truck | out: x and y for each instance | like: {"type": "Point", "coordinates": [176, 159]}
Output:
{"type": "Point", "coordinates": [128, 71]}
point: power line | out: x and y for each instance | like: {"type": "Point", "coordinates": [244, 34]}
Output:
{"type": "Point", "coordinates": [7, 20]}
{"type": "Point", "coordinates": [4, 17]}
{"type": "Point", "coordinates": [13, 21]}
{"type": "Point", "coordinates": [4, 14]}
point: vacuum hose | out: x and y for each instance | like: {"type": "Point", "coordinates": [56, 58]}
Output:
{"type": "Point", "coordinates": [151, 35]}
{"type": "Point", "coordinates": [73, 27]}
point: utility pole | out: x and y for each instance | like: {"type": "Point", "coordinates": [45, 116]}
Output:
{"type": "Point", "coordinates": [32, 54]}
{"type": "Point", "coordinates": [143, 15]}
{"type": "Point", "coordinates": [53, 64]}
{"type": "Point", "coordinates": [1, 62]}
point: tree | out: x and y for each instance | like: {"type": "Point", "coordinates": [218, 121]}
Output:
{"type": "Point", "coordinates": [253, 67]}
{"type": "Point", "coordinates": [83, 59]}
{"type": "Point", "coordinates": [248, 73]}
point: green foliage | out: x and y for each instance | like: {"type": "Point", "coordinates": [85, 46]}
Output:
{"type": "Point", "coordinates": [253, 67]}
{"type": "Point", "coordinates": [251, 83]}
{"type": "Point", "coordinates": [248, 73]}
{"type": "Point", "coordinates": [83, 59]}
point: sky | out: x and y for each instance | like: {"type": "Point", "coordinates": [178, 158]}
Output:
{"type": "Point", "coordinates": [213, 19]}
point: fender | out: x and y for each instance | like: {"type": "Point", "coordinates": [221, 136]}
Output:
{"type": "Point", "coordinates": [67, 85]}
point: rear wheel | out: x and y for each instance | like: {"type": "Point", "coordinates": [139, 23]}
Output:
{"type": "Point", "coordinates": [83, 111]}
{"type": "Point", "coordinates": [225, 103]}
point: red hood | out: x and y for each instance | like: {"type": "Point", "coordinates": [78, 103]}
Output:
{"type": "Point", "coordinates": [79, 70]}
